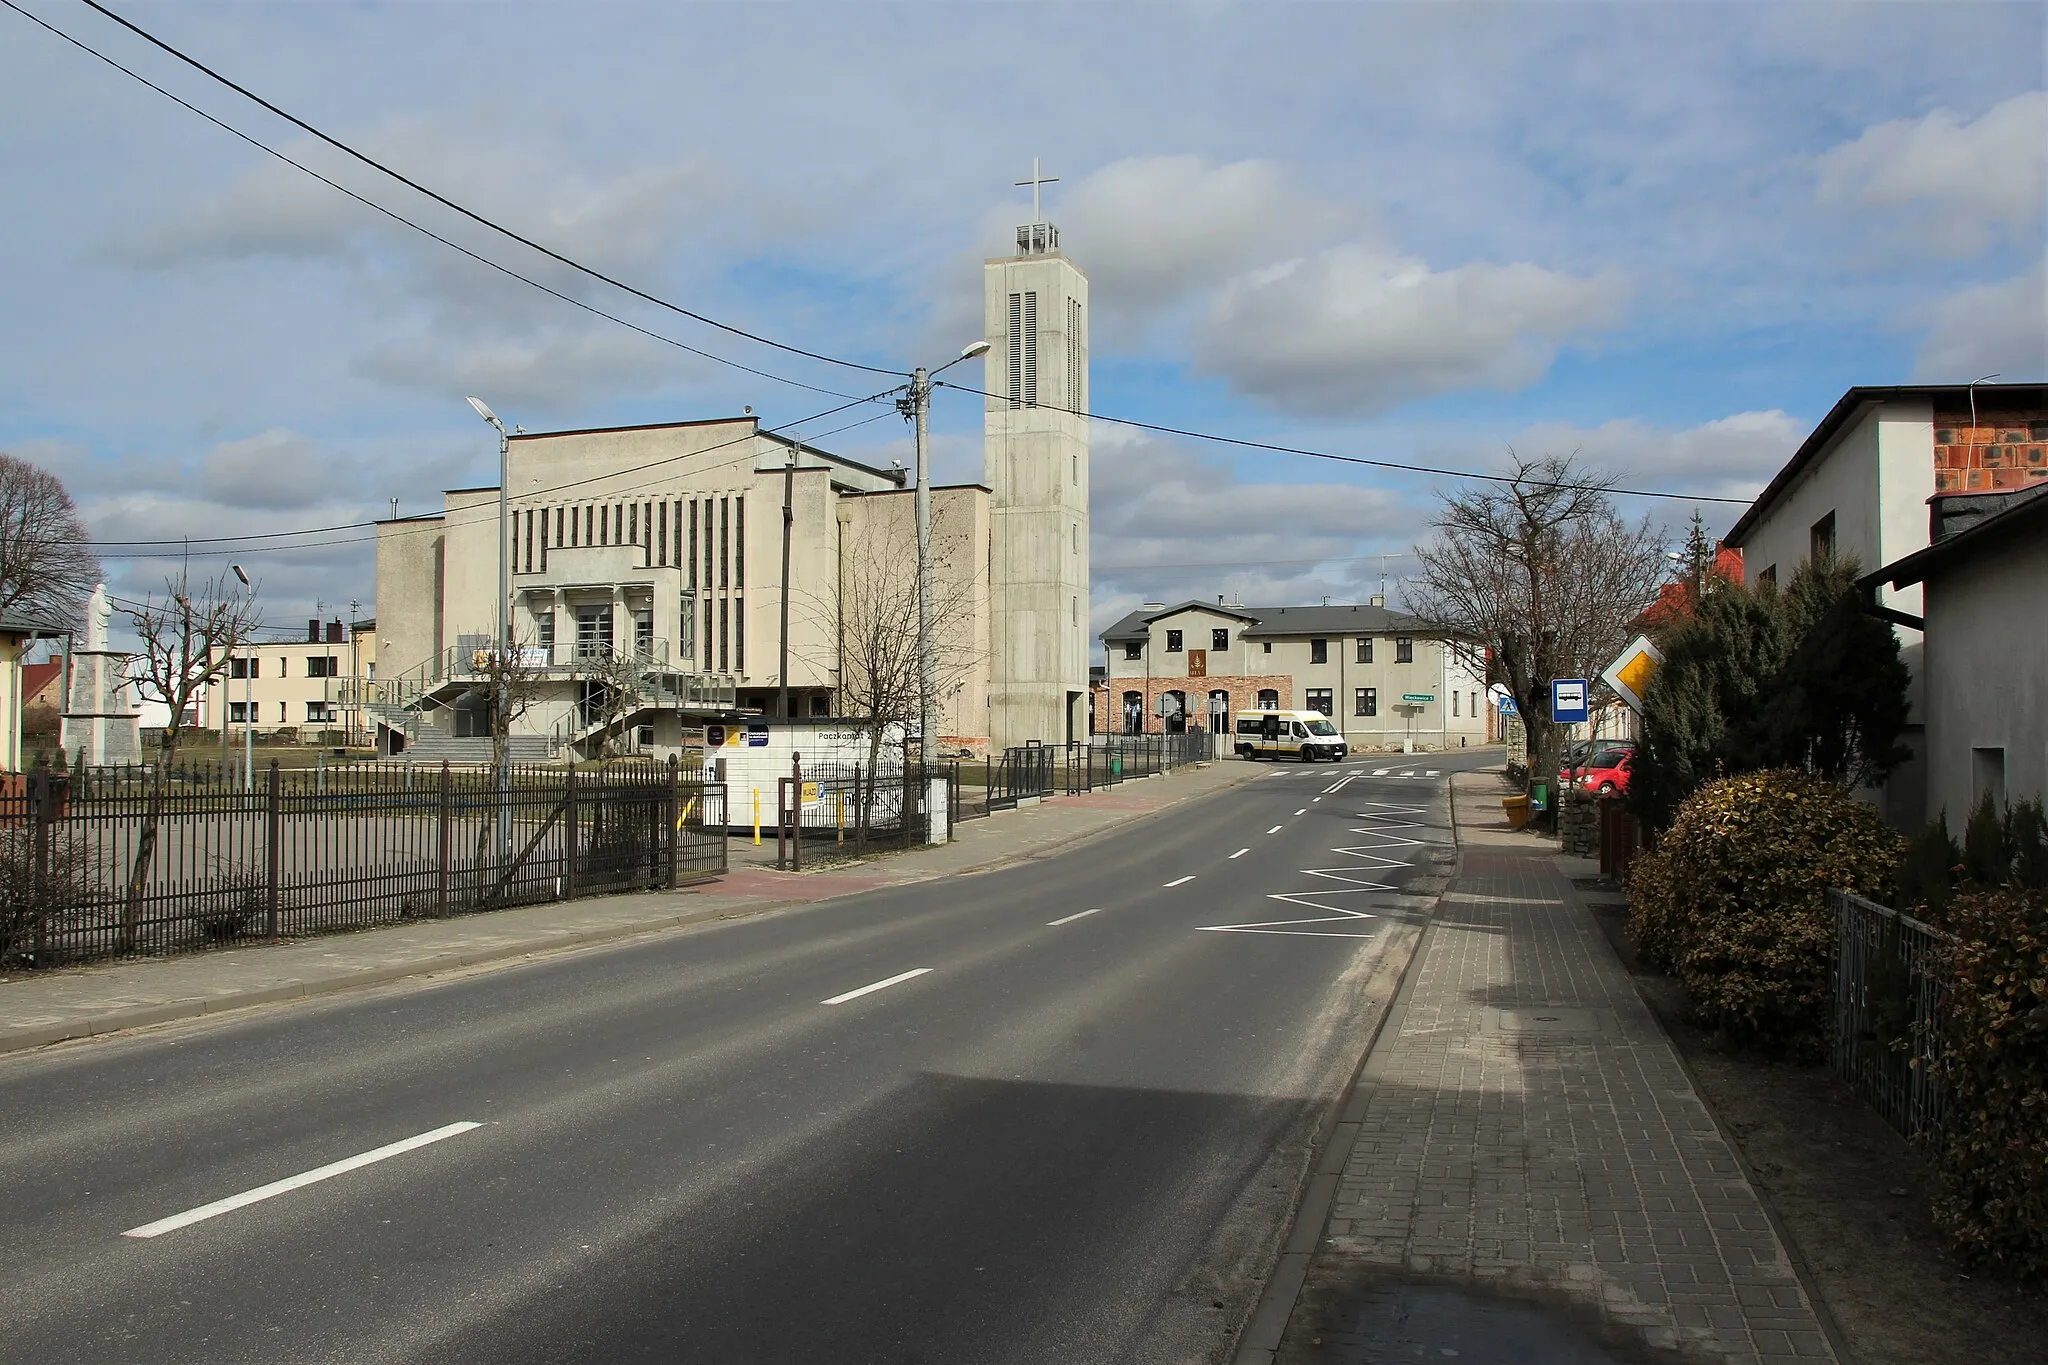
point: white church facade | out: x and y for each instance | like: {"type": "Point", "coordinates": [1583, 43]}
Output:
{"type": "Point", "coordinates": [710, 571]}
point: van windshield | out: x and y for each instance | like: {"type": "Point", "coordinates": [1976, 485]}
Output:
{"type": "Point", "coordinates": [1321, 727]}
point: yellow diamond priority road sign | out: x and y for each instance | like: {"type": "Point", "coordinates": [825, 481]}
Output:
{"type": "Point", "coordinates": [1630, 674]}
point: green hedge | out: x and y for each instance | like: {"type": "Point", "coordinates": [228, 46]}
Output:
{"type": "Point", "coordinates": [1734, 900]}
{"type": "Point", "coordinates": [1992, 1157]}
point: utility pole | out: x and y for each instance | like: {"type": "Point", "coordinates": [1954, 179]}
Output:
{"type": "Point", "coordinates": [788, 525]}
{"type": "Point", "coordinates": [927, 657]}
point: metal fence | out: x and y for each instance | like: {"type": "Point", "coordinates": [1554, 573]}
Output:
{"type": "Point", "coordinates": [847, 808]}
{"type": "Point", "coordinates": [99, 865]}
{"type": "Point", "coordinates": [1003, 780]}
{"type": "Point", "coordinates": [1888, 1000]}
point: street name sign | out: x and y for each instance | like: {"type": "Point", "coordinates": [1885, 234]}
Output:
{"type": "Point", "coordinates": [1568, 701]}
{"type": "Point", "coordinates": [1630, 674]}
{"type": "Point", "coordinates": [1418, 696]}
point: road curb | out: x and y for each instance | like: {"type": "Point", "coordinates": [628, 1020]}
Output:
{"type": "Point", "coordinates": [199, 1007]}
{"type": "Point", "coordinates": [1259, 1340]}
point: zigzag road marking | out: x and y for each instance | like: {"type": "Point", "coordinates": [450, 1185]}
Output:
{"type": "Point", "coordinates": [1384, 823]}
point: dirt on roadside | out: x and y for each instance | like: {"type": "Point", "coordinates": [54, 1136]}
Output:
{"type": "Point", "coordinates": [1852, 1197]}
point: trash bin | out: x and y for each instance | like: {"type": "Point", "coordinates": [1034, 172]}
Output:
{"type": "Point", "coordinates": [1539, 797]}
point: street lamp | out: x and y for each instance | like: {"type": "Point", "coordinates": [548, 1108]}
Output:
{"type": "Point", "coordinates": [248, 703]}
{"type": "Point", "coordinates": [504, 698]}
{"type": "Point", "coordinates": [917, 407]}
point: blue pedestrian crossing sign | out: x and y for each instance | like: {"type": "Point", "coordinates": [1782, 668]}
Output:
{"type": "Point", "coordinates": [1568, 701]}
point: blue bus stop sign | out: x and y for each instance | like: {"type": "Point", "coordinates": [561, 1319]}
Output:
{"type": "Point", "coordinates": [1568, 701]}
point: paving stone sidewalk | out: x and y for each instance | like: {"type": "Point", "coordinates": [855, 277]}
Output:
{"type": "Point", "coordinates": [40, 1008]}
{"type": "Point", "coordinates": [1527, 1130]}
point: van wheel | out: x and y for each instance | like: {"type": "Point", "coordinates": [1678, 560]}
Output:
{"type": "Point", "coordinates": [1308, 755]}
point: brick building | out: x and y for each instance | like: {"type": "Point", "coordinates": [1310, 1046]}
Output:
{"type": "Point", "coordinates": [1386, 679]}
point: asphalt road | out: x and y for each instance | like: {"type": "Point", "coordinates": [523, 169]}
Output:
{"type": "Point", "coordinates": [1075, 1136]}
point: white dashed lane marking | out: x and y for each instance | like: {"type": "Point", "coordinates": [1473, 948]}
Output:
{"type": "Point", "coordinates": [1182, 881]}
{"type": "Point", "coordinates": [1056, 923]}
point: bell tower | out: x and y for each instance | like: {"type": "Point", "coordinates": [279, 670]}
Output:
{"type": "Point", "coordinates": [1035, 460]}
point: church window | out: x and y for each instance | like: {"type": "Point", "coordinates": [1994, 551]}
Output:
{"type": "Point", "coordinates": [604, 525]}
{"type": "Point", "coordinates": [739, 636]}
{"type": "Point", "coordinates": [739, 541]}
{"type": "Point", "coordinates": [724, 542]}
{"type": "Point", "coordinates": [724, 634]}
{"type": "Point", "coordinates": [706, 662]}
{"type": "Point", "coordinates": [693, 545]}
{"type": "Point", "coordinates": [1031, 348]}
{"type": "Point", "coordinates": [1074, 610]}
{"type": "Point", "coordinates": [633, 526]}
{"type": "Point", "coordinates": [1075, 467]}
{"type": "Point", "coordinates": [1074, 537]}
{"type": "Point", "coordinates": [1076, 400]}
{"type": "Point", "coordinates": [661, 535]}
{"type": "Point", "coordinates": [1015, 350]}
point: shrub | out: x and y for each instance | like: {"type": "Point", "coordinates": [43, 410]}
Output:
{"type": "Point", "coordinates": [1734, 902]}
{"type": "Point", "coordinates": [1992, 1157]}
{"type": "Point", "coordinates": [1927, 872]}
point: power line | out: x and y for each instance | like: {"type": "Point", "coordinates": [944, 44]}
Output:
{"type": "Point", "coordinates": [1326, 455]}
{"type": "Point", "coordinates": [420, 228]}
{"type": "Point", "coordinates": [471, 214]}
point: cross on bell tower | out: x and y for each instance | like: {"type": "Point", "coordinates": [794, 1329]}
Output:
{"type": "Point", "coordinates": [1037, 237]}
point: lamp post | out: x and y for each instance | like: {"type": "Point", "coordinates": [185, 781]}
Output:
{"type": "Point", "coordinates": [504, 643]}
{"type": "Point", "coordinates": [917, 407]}
{"type": "Point", "coordinates": [248, 702]}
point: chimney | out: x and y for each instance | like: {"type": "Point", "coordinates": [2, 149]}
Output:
{"type": "Point", "coordinates": [1379, 600]}
{"type": "Point", "coordinates": [334, 636]}
{"type": "Point", "coordinates": [313, 631]}
{"type": "Point", "coordinates": [1155, 606]}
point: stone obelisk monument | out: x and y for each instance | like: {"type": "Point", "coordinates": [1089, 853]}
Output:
{"type": "Point", "coordinates": [99, 719]}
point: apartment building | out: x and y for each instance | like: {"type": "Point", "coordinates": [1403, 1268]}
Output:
{"type": "Point", "coordinates": [1387, 680]}
{"type": "Point", "coordinates": [315, 685]}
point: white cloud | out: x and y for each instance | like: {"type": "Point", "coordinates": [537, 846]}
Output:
{"type": "Point", "coordinates": [1153, 229]}
{"type": "Point", "coordinates": [1731, 456]}
{"type": "Point", "coordinates": [1961, 183]}
{"type": "Point", "coordinates": [1356, 330]}
{"type": "Point", "coordinates": [1167, 524]}
{"type": "Point", "coordinates": [1999, 328]}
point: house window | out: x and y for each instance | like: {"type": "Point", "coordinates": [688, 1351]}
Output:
{"type": "Point", "coordinates": [1365, 701]}
{"type": "Point", "coordinates": [245, 668]}
{"type": "Point", "coordinates": [1219, 639]}
{"type": "Point", "coordinates": [318, 666]}
{"type": "Point", "coordinates": [643, 633]}
{"type": "Point", "coordinates": [1173, 642]}
{"type": "Point", "coordinates": [1404, 650]}
{"type": "Point", "coordinates": [1134, 649]}
{"type": "Point", "coordinates": [238, 713]}
{"type": "Point", "coordinates": [1475, 704]}
{"type": "Point", "coordinates": [1769, 575]}
{"type": "Point", "coordinates": [821, 705]}
{"type": "Point", "coordinates": [544, 631]}
{"type": "Point", "coordinates": [1821, 543]}
{"type": "Point", "coordinates": [1987, 775]}
{"type": "Point", "coordinates": [1454, 703]}
{"type": "Point", "coordinates": [1365, 650]}
{"type": "Point", "coordinates": [1265, 646]}
{"type": "Point", "coordinates": [1269, 700]}
{"type": "Point", "coordinates": [1319, 700]}
{"type": "Point", "coordinates": [1319, 651]}
{"type": "Point", "coordinates": [319, 713]}
{"type": "Point", "coordinates": [284, 713]}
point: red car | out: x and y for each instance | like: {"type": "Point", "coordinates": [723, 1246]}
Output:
{"type": "Point", "coordinates": [1606, 772]}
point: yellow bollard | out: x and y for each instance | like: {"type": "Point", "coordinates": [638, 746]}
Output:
{"type": "Point", "coordinates": [757, 817]}
{"type": "Point", "coordinates": [839, 803]}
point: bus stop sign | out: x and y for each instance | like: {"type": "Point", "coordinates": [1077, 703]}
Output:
{"type": "Point", "coordinates": [1568, 701]}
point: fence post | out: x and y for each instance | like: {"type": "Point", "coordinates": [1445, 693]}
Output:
{"type": "Point", "coordinates": [273, 872]}
{"type": "Point", "coordinates": [781, 823]}
{"type": "Point", "coordinates": [796, 812]}
{"type": "Point", "coordinates": [42, 810]}
{"type": "Point", "coordinates": [569, 833]}
{"type": "Point", "coordinates": [444, 823]}
{"type": "Point", "coordinates": [675, 821]}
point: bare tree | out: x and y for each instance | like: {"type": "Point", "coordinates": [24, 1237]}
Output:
{"type": "Point", "coordinates": [612, 685]}
{"type": "Point", "coordinates": [186, 643]}
{"type": "Point", "coordinates": [47, 567]}
{"type": "Point", "coordinates": [1535, 579]}
{"type": "Point", "coordinates": [513, 679]}
{"type": "Point", "coordinates": [871, 614]}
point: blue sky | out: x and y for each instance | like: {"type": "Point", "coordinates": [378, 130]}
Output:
{"type": "Point", "coordinates": [1667, 236]}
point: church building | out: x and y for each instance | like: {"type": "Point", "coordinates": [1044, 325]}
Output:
{"type": "Point", "coordinates": [668, 576]}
